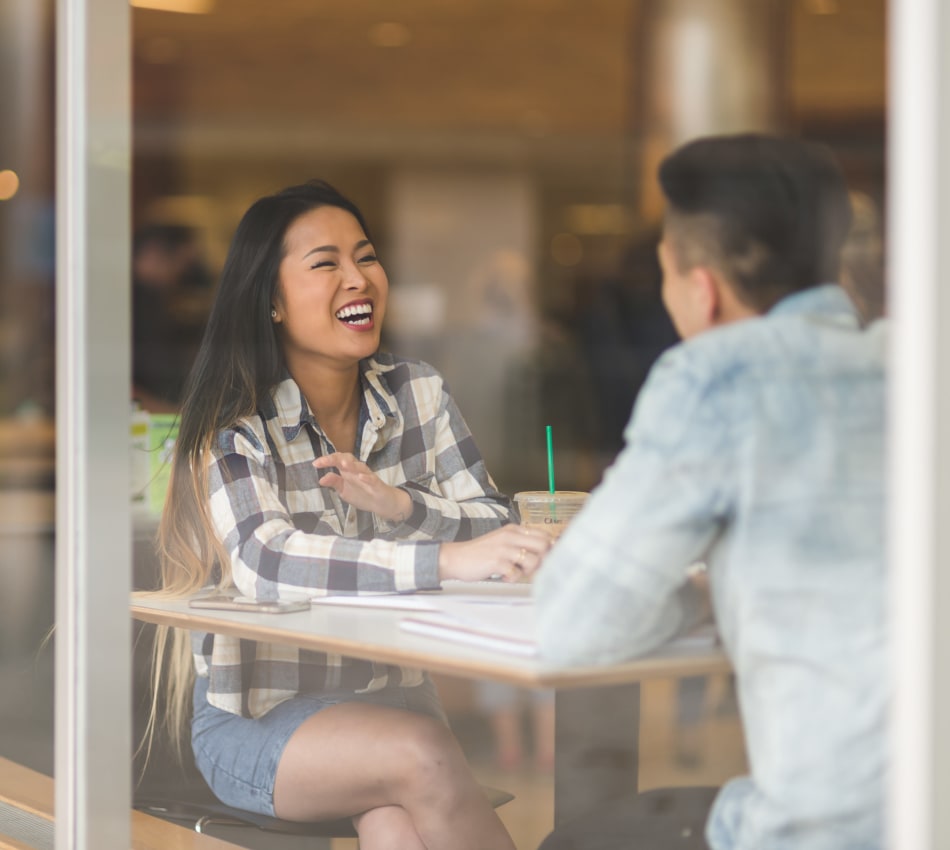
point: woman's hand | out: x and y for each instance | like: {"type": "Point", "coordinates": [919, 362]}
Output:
{"type": "Point", "coordinates": [512, 552]}
{"type": "Point", "coordinates": [359, 486]}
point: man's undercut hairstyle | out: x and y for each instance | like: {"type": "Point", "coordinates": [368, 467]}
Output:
{"type": "Point", "coordinates": [769, 214]}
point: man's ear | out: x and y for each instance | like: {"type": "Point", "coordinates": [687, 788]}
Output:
{"type": "Point", "coordinates": [707, 297]}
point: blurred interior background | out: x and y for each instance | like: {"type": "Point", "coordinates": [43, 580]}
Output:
{"type": "Point", "coordinates": [503, 152]}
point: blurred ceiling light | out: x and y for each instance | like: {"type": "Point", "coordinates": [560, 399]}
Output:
{"type": "Point", "coordinates": [9, 183]}
{"type": "Point", "coordinates": [599, 219]}
{"type": "Point", "coordinates": [187, 7]}
{"type": "Point", "coordinates": [822, 7]}
{"type": "Point", "coordinates": [390, 34]}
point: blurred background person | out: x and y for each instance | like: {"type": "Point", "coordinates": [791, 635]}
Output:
{"type": "Point", "coordinates": [624, 329]}
{"type": "Point", "coordinates": [171, 290]}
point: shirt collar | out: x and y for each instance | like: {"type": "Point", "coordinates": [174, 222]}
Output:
{"type": "Point", "coordinates": [292, 411]}
{"type": "Point", "coordinates": [378, 397]}
{"type": "Point", "coordinates": [827, 299]}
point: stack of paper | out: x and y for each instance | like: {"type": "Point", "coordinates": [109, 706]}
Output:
{"type": "Point", "coordinates": [500, 617]}
{"type": "Point", "coordinates": [506, 625]}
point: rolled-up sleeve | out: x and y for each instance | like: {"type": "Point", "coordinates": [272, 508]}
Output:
{"type": "Point", "coordinates": [271, 557]}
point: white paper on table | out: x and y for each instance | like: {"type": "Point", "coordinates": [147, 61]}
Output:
{"type": "Point", "coordinates": [504, 627]}
{"type": "Point", "coordinates": [509, 627]}
{"type": "Point", "coordinates": [391, 601]}
{"type": "Point", "coordinates": [473, 592]}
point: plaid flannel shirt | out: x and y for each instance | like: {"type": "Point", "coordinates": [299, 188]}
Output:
{"type": "Point", "coordinates": [287, 535]}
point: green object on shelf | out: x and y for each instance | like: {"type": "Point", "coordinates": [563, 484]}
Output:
{"type": "Point", "coordinates": [162, 433]}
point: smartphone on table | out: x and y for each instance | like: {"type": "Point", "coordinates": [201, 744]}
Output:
{"type": "Point", "coordinates": [223, 602]}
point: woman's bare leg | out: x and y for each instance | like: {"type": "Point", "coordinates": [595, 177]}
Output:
{"type": "Point", "coordinates": [354, 757]}
{"type": "Point", "coordinates": [387, 828]}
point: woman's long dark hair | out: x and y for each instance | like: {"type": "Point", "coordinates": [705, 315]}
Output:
{"type": "Point", "coordinates": [240, 360]}
{"type": "Point", "coordinates": [238, 364]}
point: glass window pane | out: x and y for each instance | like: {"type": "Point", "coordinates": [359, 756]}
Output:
{"type": "Point", "coordinates": [504, 155]}
{"type": "Point", "coordinates": [27, 437]}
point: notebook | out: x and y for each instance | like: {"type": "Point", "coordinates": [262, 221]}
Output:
{"type": "Point", "coordinates": [502, 625]}
{"type": "Point", "coordinates": [508, 626]}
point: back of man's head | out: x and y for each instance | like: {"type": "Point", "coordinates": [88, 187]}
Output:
{"type": "Point", "coordinates": [769, 214]}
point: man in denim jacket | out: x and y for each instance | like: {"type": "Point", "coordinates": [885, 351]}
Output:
{"type": "Point", "coordinates": [756, 446]}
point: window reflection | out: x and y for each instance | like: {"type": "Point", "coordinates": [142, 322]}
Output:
{"type": "Point", "coordinates": [27, 436]}
{"type": "Point", "coordinates": [505, 153]}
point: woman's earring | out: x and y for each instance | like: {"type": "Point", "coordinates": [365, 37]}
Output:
{"type": "Point", "coordinates": [273, 314]}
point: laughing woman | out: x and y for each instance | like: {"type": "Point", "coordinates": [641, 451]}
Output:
{"type": "Point", "coordinates": [310, 462]}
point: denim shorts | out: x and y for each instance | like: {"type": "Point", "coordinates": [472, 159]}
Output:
{"type": "Point", "coordinates": [238, 756]}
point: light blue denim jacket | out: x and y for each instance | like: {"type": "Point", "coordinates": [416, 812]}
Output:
{"type": "Point", "coordinates": [759, 448]}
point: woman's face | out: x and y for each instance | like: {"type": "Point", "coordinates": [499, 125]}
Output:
{"type": "Point", "coordinates": [331, 294]}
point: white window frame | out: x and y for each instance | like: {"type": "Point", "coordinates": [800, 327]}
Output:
{"type": "Point", "coordinates": [918, 240]}
{"type": "Point", "coordinates": [93, 534]}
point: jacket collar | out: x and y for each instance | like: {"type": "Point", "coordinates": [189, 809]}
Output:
{"type": "Point", "coordinates": [827, 299]}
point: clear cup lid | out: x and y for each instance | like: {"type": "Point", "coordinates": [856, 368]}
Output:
{"type": "Point", "coordinates": [545, 497]}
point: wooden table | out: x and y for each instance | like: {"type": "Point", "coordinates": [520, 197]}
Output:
{"type": "Point", "coordinates": [597, 708]}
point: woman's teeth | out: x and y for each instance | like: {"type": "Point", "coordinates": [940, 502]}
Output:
{"type": "Point", "coordinates": [358, 314]}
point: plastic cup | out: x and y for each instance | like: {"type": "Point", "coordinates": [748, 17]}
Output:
{"type": "Point", "coordinates": [549, 512]}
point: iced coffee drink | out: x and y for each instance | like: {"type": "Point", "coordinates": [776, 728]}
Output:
{"type": "Point", "coordinates": [549, 512]}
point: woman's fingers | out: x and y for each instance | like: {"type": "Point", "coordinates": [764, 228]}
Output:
{"type": "Point", "coordinates": [341, 460]}
{"type": "Point", "coordinates": [362, 488]}
{"type": "Point", "coordinates": [510, 552]}
{"type": "Point", "coordinates": [331, 479]}
{"type": "Point", "coordinates": [521, 552]}
{"type": "Point", "coordinates": [527, 560]}
{"type": "Point", "coordinates": [535, 545]}
{"type": "Point", "coordinates": [345, 470]}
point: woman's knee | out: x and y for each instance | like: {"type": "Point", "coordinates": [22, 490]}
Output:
{"type": "Point", "coordinates": [429, 751]}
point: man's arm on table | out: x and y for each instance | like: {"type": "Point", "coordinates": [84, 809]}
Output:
{"type": "Point", "coordinates": [616, 586]}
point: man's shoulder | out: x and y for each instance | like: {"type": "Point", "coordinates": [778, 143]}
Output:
{"type": "Point", "coordinates": [780, 344]}
{"type": "Point", "coordinates": [729, 350]}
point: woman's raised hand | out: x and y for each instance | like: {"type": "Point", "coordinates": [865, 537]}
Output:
{"type": "Point", "coordinates": [512, 552]}
{"type": "Point", "coordinates": [359, 486]}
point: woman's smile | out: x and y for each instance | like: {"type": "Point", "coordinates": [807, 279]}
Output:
{"type": "Point", "coordinates": [357, 315]}
{"type": "Point", "coordinates": [332, 290]}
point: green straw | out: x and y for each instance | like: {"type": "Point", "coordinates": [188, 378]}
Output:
{"type": "Point", "coordinates": [550, 460]}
